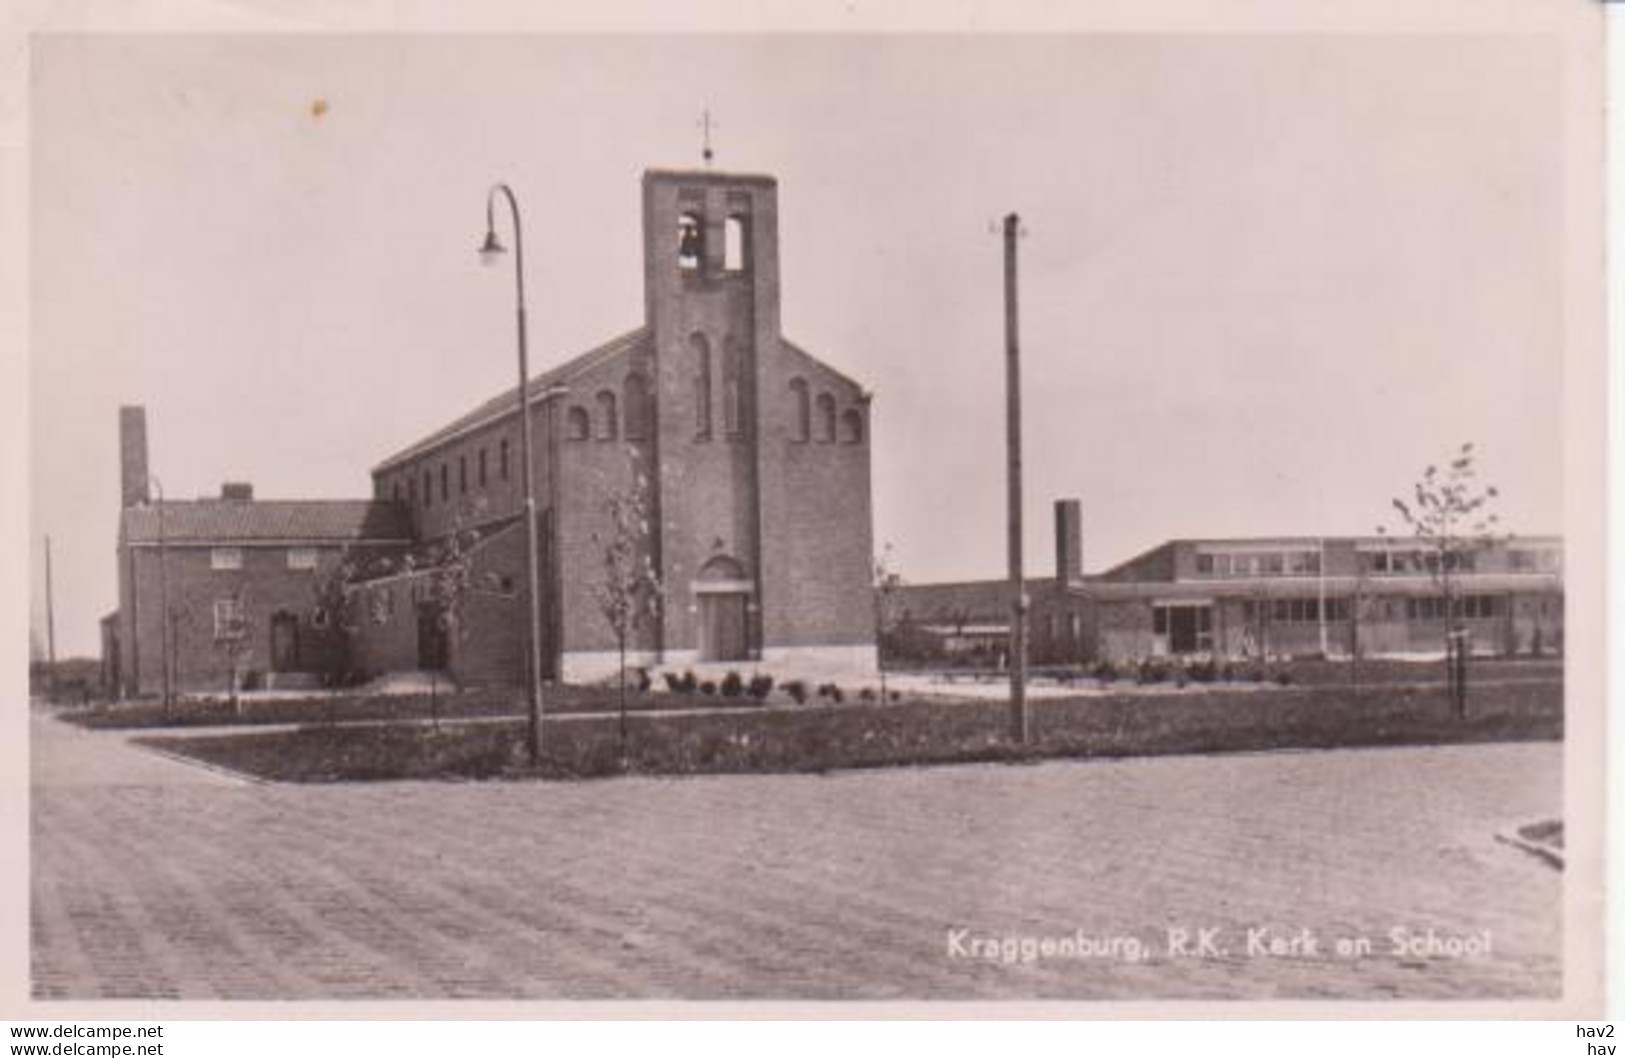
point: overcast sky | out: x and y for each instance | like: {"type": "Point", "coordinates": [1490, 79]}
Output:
{"type": "Point", "coordinates": [1267, 278]}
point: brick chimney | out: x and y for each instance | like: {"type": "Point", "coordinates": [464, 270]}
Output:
{"type": "Point", "coordinates": [1068, 541]}
{"type": "Point", "coordinates": [237, 492]}
{"type": "Point", "coordinates": [132, 451]}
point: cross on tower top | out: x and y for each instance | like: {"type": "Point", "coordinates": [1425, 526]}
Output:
{"type": "Point", "coordinates": [706, 125]}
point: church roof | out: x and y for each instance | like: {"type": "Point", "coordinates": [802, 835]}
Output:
{"type": "Point", "coordinates": [505, 403]}
{"type": "Point", "coordinates": [264, 521]}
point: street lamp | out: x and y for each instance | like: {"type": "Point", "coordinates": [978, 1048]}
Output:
{"type": "Point", "coordinates": [491, 253]}
{"type": "Point", "coordinates": [163, 598]}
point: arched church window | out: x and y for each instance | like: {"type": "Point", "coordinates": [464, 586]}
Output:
{"type": "Point", "coordinates": [577, 427]}
{"type": "Point", "coordinates": [733, 389]}
{"type": "Point", "coordinates": [826, 417]}
{"type": "Point", "coordinates": [802, 410]}
{"type": "Point", "coordinates": [637, 407]}
{"type": "Point", "coordinates": [690, 241]}
{"type": "Point", "coordinates": [608, 424]}
{"type": "Point", "coordinates": [852, 426]}
{"type": "Point", "coordinates": [702, 386]}
{"type": "Point", "coordinates": [733, 244]}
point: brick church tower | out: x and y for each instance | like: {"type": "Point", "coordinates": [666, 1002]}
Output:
{"type": "Point", "coordinates": [762, 486]}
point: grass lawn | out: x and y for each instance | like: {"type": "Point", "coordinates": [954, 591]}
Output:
{"type": "Point", "coordinates": [822, 738]}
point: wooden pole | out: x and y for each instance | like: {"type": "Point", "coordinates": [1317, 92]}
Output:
{"type": "Point", "coordinates": [50, 610]}
{"type": "Point", "coordinates": [1019, 725]}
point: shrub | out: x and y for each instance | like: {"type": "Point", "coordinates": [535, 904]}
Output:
{"type": "Point", "coordinates": [688, 684]}
{"type": "Point", "coordinates": [1203, 670]}
{"type": "Point", "coordinates": [642, 680]}
{"type": "Point", "coordinates": [708, 687]}
{"type": "Point", "coordinates": [867, 694]}
{"type": "Point", "coordinates": [1283, 677]}
{"type": "Point", "coordinates": [673, 683]}
{"type": "Point", "coordinates": [797, 690]}
{"type": "Point", "coordinates": [1104, 671]}
{"type": "Point", "coordinates": [835, 694]}
{"type": "Point", "coordinates": [732, 685]}
{"type": "Point", "coordinates": [760, 687]}
{"type": "Point", "coordinates": [896, 696]}
{"type": "Point", "coordinates": [1152, 670]}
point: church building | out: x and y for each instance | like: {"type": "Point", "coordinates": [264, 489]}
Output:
{"type": "Point", "coordinates": [753, 458]}
{"type": "Point", "coordinates": [750, 455]}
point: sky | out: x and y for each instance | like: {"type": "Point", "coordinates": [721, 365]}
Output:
{"type": "Point", "coordinates": [1266, 278]}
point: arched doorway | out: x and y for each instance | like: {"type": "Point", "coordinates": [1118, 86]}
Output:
{"type": "Point", "coordinates": [722, 598]}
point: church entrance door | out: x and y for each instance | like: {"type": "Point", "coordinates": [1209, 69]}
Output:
{"type": "Point", "coordinates": [722, 627]}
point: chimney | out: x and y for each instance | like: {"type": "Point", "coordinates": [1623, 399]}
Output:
{"type": "Point", "coordinates": [237, 492]}
{"type": "Point", "coordinates": [1068, 541]}
{"type": "Point", "coordinates": [132, 448]}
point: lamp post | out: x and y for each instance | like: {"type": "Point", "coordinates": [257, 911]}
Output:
{"type": "Point", "coordinates": [165, 662]}
{"type": "Point", "coordinates": [491, 253]}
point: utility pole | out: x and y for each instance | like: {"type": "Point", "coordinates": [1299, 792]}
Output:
{"type": "Point", "coordinates": [1019, 724]}
{"type": "Point", "coordinates": [50, 612]}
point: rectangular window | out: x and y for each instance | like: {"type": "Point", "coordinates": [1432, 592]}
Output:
{"type": "Point", "coordinates": [1159, 620]}
{"type": "Point", "coordinates": [1272, 564]}
{"type": "Point", "coordinates": [445, 482]}
{"type": "Point", "coordinates": [228, 619]}
{"type": "Point", "coordinates": [301, 558]}
{"type": "Point", "coordinates": [226, 558]}
{"type": "Point", "coordinates": [462, 474]}
{"type": "Point", "coordinates": [482, 468]}
{"type": "Point", "coordinates": [1204, 564]}
{"type": "Point", "coordinates": [502, 461]}
{"type": "Point", "coordinates": [428, 490]}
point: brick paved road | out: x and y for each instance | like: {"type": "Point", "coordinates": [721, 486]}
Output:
{"type": "Point", "coordinates": [153, 879]}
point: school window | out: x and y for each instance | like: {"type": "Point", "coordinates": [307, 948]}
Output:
{"type": "Point", "coordinates": [462, 474]}
{"type": "Point", "coordinates": [481, 466]}
{"type": "Point", "coordinates": [395, 492]}
{"type": "Point", "coordinates": [428, 489]}
{"type": "Point", "coordinates": [301, 558]}
{"type": "Point", "coordinates": [502, 460]}
{"type": "Point", "coordinates": [445, 482]}
{"type": "Point", "coordinates": [226, 558]}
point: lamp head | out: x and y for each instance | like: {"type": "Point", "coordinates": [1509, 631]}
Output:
{"type": "Point", "coordinates": [492, 251]}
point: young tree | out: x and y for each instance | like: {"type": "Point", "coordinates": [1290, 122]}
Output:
{"type": "Point", "coordinates": [1448, 516]}
{"type": "Point", "coordinates": [886, 595]}
{"type": "Point", "coordinates": [448, 583]}
{"type": "Point", "coordinates": [234, 638]}
{"type": "Point", "coordinates": [629, 594]}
